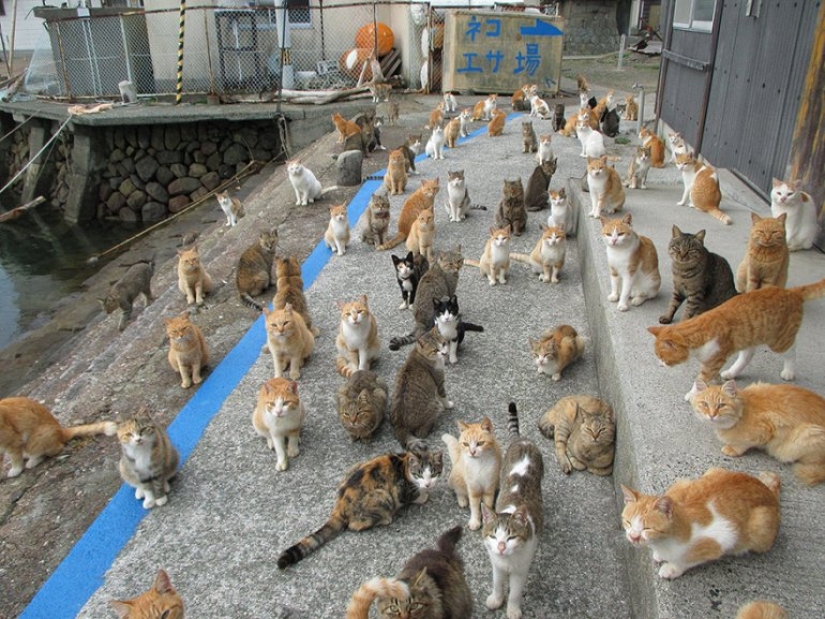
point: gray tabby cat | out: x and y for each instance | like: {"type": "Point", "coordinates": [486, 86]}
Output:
{"type": "Point", "coordinates": [122, 294]}
{"type": "Point", "coordinates": [535, 197]}
{"type": "Point", "coordinates": [148, 459]}
{"type": "Point", "coordinates": [511, 534]}
{"type": "Point", "coordinates": [511, 209]}
{"type": "Point", "coordinates": [584, 431]}
{"type": "Point", "coordinates": [440, 281]}
{"type": "Point", "coordinates": [419, 394]}
{"type": "Point", "coordinates": [528, 136]}
{"type": "Point", "coordinates": [254, 274]}
{"type": "Point", "coordinates": [378, 220]}
{"type": "Point", "coordinates": [701, 277]}
{"type": "Point", "coordinates": [362, 401]}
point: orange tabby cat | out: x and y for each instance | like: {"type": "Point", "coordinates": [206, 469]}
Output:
{"type": "Point", "coordinates": [159, 602]}
{"type": "Point", "coordinates": [767, 257]}
{"type": "Point", "coordinates": [278, 417]}
{"type": "Point", "coordinates": [770, 316]}
{"type": "Point", "coordinates": [787, 421]}
{"type": "Point", "coordinates": [188, 352]}
{"type": "Point", "coordinates": [289, 340]}
{"type": "Point", "coordinates": [633, 262]}
{"type": "Point", "coordinates": [556, 349]}
{"type": "Point", "coordinates": [696, 521]}
{"type": "Point", "coordinates": [396, 177]}
{"type": "Point", "coordinates": [193, 280]}
{"type": "Point", "coordinates": [291, 290]}
{"type": "Point", "coordinates": [606, 189]}
{"type": "Point", "coordinates": [701, 187]}
{"type": "Point", "coordinates": [657, 147]}
{"type": "Point", "coordinates": [29, 430]}
{"type": "Point", "coordinates": [436, 116]}
{"type": "Point", "coordinates": [761, 609]}
{"type": "Point", "coordinates": [631, 110]}
{"type": "Point", "coordinates": [357, 340]}
{"type": "Point", "coordinates": [422, 198]}
{"type": "Point", "coordinates": [422, 235]}
{"type": "Point", "coordinates": [572, 123]}
{"type": "Point", "coordinates": [345, 128]}
{"type": "Point", "coordinates": [452, 132]}
{"type": "Point", "coordinates": [496, 126]}
{"type": "Point", "coordinates": [547, 257]}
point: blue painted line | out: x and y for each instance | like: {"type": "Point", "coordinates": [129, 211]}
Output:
{"type": "Point", "coordinates": [81, 573]}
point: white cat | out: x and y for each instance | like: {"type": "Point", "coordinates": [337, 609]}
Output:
{"type": "Point", "coordinates": [435, 145]}
{"type": "Point", "coordinates": [307, 187]}
{"type": "Point", "coordinates": [592, 140]}
{"type": "Point", "coordinates": [450, 104]}
{"type": "Point", "coordinates": [545, 151]}
{"type": "Point", "coordinates": [801, 226]}
{"type": "Point", "coordinates": [458, 198]}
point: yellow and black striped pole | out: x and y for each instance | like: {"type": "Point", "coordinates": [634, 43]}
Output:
{"type": "Point", "coordinates": [179, 83]}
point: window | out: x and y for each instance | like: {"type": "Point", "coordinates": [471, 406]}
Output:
{"type": "Point", "coordinates": [694, 14]}
{"type": "Point", "coordinates": [299, 13]}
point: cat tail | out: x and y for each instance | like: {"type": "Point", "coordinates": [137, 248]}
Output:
{"type": "Point", "coordinates": [448, 540]}
{"type": "Point", "coordinates": [469, 326]}
{"type": "Point", "coordinates": [523, 258]}
{"type": "Point", "coordinates": [405, 340]}
{"type": "Point", "coordinates": [393, 242]}
{"type": "Point", "coordinates": [720, 215]}
{"type": "Point", "coordinates": [250, 302]}
{"type": "Point", "coordinates": [471, 263]}
{"type": "Point", "coordinates": [812, 291]}
{"type": "Point", "coordinates": [481, 207]}
{"type": "Point", "coordinates": [771, 480]}
{"type": "Point", "coordinates": [109, 428]}
{"type": "Point", "coordinates": [361, 600]}
{"type": "Point", "coordinates": [453, 449]}
{"type": "Point", "coordinates": [332, 528]}
{"type": "Point", "coordinates": [343, 366]}
{"type": "Point", "coordinates": [807, 450]}
{"type": "Point", "coordinates": [512, 422]}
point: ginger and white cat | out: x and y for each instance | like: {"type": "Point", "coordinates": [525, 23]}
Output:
{"type": "Point", "coordinates": [357, 340]}
{"type": "Point", "coordinates": [289, 340]}
{"type": "Point", "coordinates": [232, 208]}
{"type": "Point", "coordinates": [654, 143]}
{"type": "Point", "coordinates": [606, 191]}
{"type": "Point", "coordinates": [436, 117]}
{"type": "Point", "coordinates": [545, 148]}
{"type": "Point", "coordinates": [307, 187]}
{"type": "Point", "coordinates": [555, 350]}
{"type": "Point", "coordinates": [464, 119]}
{"type": "Point", "coordinates": [801, 226]}
{"type": "Point", "coordinates": [476, 465]}
{"type": "Point", "coordinates": [422, 234]}
{"type": "Point", "coordinates": [395, 179]}
{"type": "Point", "coordinates": [148, 459]}
{"type": "Point", "coordinates": [702, 190]}
{"type": "Point", "coordinates": [450, 104]}
{"type": "Point", "coordinates": [193, 280]}
{"type": "Point", "coordinates": [636, 177]}
{"type": "Point", "coordinates": [161, 601]}
{"type": "Point", "coordinates": [483, 110]}
{"type": "Point", "coordinates": [631, 110]}
{"type": "Point", "coordinates": [547, 257]}
{"type": "Point", "coordinates": [452, 132]}
{"type": "Point", "coordinates": [278, 417]}
{"type": "Point", "coordinates": [337, 235]}
{"type": "Point", "coordinates": [697, 521]}
{"type": "Point", "coordinates": [188, 352]}
{"type": "Point", "coordinates": [495, 260]}
{"type": "Point", "coordinates": [562, 213]}
{"type": "Point", "coordinates": [633, 262]}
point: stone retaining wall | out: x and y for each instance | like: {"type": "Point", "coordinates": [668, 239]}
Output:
{"type": "Point", "coordinates": [590, 27]}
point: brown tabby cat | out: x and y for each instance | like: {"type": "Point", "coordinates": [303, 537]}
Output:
{"type": "Point", "coordinates": [148, 459]}
{"type": "Point", "coordinates": [633, 262]}
{"type": "Point", "coordinates": [362, 401]}
{"type": "Point", "coordinates": [411, 148]}
{"type": "Point", "coordinates": [395, 180]}
{"type": "Point", "coordinates": [346, 128]}
{"type": "Point", "coordinates": [761, 610]}
{"type": "Point", "coordinates": [547, 257]}
{"type": "Point", "coordinates": [371, 494]}
{"type": "Point", "coordinates": [357, 340]}
{"type": "Point", "coordinates": [529, 141]}
{"type": "Point", "coordinates": [28, 430]}
{"type": "Point", "coordinates": [291, 290]}
{"type": "Point", "coordinates": [701, 187]}
{"type": "Point", "coordinates": [556, 349]}
{"type": "Point", "coordinates": [767, 257]}
{"type": "Point", "coordinates": [136, 281]}
{"type": "Point", "coordinates": [278, 417]}
{"type": "Point", "coordinates": [511, 210]}
{"type": "Point", "coordinates": [422, 234]}
{"type": "Point", "coordinates": [696, 521]}
{"type": "Point", "coordinates": [188, 352]}
{"type": "Point", "coordinates": [583, 430]}
{"type": "Point", "coordinates": [657, 147]}
{"type": "Point", "coordinates": [193, 280]}
{"type": "Point", "coordinates": [419, 394]}
{"type": "Point", "coordinates": [430, 586]}
{"type": "Point", "coordinates": [636, 176]}
{"type": "Point", "coordinates": [788, 422]}
{"type": "Point", "coordinates": [161, 601]}
{"type": "Point", "coordinates": [769, 316]}
{"type": "Point", "coordinates": [422, 198]}
{"type": "Point", "coordinates": [535, 196]}
{"type": "Point", "coordinates": [495, 127]}
{"type": "Point", "coordinates": [378, 220]}
{"type": "Point", "coordinates": [289, 340]}
{"type": "Point", "coordinates": [254, 273]}
{"type": "Point", "coordinates": [476, 466]}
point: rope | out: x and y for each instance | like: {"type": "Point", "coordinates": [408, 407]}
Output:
{"type": "Point", "coordinates": [32, 159]}
{"type": "Point", "coordinates": [179, 84]}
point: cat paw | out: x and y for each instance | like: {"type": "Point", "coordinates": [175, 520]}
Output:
{"type": "Point", "coordinates": [669, 570]}
{"type": "Point", "coordinates": [513, 612]}
{"type": "Point", "coordinates": [161, 501]}
{"type": "Point", "coordinates": [556, 376]}
{"type": "Point", "coordinates": [139, 494]}
{"type": "Point", "coordinates": [15, 471]}
{"type": "Point", "coordinates": [282, 465]}
{"type": "Point", "coordinates": [494, 601]}
{"type": "Point", "coordinates": [787, 374]}
{"type": "Point", "coordinates": [492, 281]}
{"type": "Point", "coordinates": [448, 404]}
{"type": "Point", "coordinates": [731, 451]}
{"type": "Point", "coordinates": [185, 384]}
{"type": "Point", "coordinates": [656, 557]}
{"type": "Point", "coordinates": [474, 524]}
{"type": "Point", "coordinates": [680, 203]}
{"type": "Point", "coordinates": [622, 307]}
{"type": "Point", "coordinates": [637, 301]}
{"type": "Point", "coordinates": [403, 306]}
{"type": "Point", "coordinates": [148, 503]}
{"type": "Point", "coordinates": [730, 374]}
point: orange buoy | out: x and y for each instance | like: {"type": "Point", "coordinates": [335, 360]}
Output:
{"type": "Point", "coordinates": [366, 38]}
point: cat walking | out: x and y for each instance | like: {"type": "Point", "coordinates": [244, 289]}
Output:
{"type": "Point", "coordinates": [135, 282]}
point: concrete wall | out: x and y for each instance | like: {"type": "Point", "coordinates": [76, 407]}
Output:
{"type": "Point", "coordinates": [28, 28]}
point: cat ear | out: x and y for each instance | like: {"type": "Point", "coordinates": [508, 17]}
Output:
{"type": "Point", "coordinates": [288, 308]}
{"type": "Point", "coordinates": [755, 218]}
{"type": "Point", "coordinates": [520, 515]}
{"type": "Point", "coordinates": [630, 496]}
{"type": "Point", "coordinates": [562, 191]}
{"type": "Point", "coordinates": [417, 579]}
{"type": "Point", "coordinates": [293, 387]}
{"type": "Point", "coordinates": [265, 311]}
{"type": "Point", "coordinates": [700, 236]}
{"type": "Point", "coordinates": [162, 582]}
{"type": "Point", "coordinates": [782, 217]}
{"type": "Point", "coordinates": [665, 505]}
{"type": "Point", "coordinates": [341, 304]}
{"type": "Point", "coordinates": [729, 388]}
{"type": "Point", "coordinates": [461, 425]}
{"type": "Point", "coordinates": [486, 513]}
{"type": "Point", "coordinates": [487, 425]}
{"type": "Point", "coordinates": [363, 300]}
{"type": "Point", "coordinates": [121, 607]}
{"type": "Point", "coordinates": [655, 330]}
{"type": "Point", "coordinates": [776, 182]}
{"type": "Point", "coordinates": [628, 219]}
{"type": "Point", "coordinates": [675, 231]}
{"type": "Point", "coordinates": [699, 385]}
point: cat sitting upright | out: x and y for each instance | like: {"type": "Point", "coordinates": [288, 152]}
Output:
{"type": "Point", "coordinates": [148, 459]}
{"type": "Point", "coordinates": [408, 272]}
{"type": "Point", "coordinates": [307, 187]}
{"type": "Point", "coordinates": [449, 324]}
{"type": "Point", "coordinates": [801, 227]}
{"type": "Point", "coordinates": [232, 208]}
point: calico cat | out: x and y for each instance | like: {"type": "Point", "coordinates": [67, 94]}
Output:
{"type": "Point", "coordinates": [254, 274]}
{"type": "Point", "coordinates": [422, 234]}
{"type": "Point", "coordinates": [801, 227]}
{"type": "Point", "coordinates": [535, 197]}
{"type": "Point", "coordinates": [606, 191]}
{"type": "Point", "coordinates": [511, 209]}
{"type": "Point", "coordinates": [193, 280]}
{"type": "Point", "coordinates": [654, 143]}
{"type": "Point", "coordinates": [289, 340]}
{"type": "Point", "coordinates": [555, 350]}
{"type": "Point", "coordinates": [408, 272]}
{"type": "Point", "coordinates": [395, 180]}
{"type": "Point", "coordinates": [232, 208]}
{"type": "Point", "coordinates": [430, 586]}
{"type": "Point", "coordinates": [337, 235]}
{"type": "Point", "coordinates": [371, 494]}
{"type": "Point", "coordinates": [378, 219]}
{"type": "Point", "coordinates": [148, 459]}
{"type": "Point", "coordinates": [357, 340]}
{"type": "Point", "coordinates": [529, 141]}
{"type": "Point", "coordinates": [547, 257]}
{"type": "Point", "coordinates": [558, 117]}
{"type": "Point", "coordinates": [439, 281]}
{"type": "Point", "coordinates": [345, 128]}
{"type": "Point", "coordinates": [788, 422]}
{"type": "Point", "coordinates": [495, 259]}
{"type": "Point", "coordinates": [436, 117]}
{"type": "Point", "coordinates": [511, 533]}
{"type": "Point", "coordinates": [631, 110]}
{"type": "Point", "coordinates": [583, 431]}
{"type": "Point", "coordinates": [278, 417]}
{"type": "Point", "coordinates": [291, 290]}
{"type": "Point", "coordinates": [562, 214]}
{"type": "Point", "coordinates": [411, 148]}
{"type": "Point", "coordinates": [29, 431]}
{"type": "Point", "coordinates": [188, 353]}
{"type": "Point", "coordinates": [761, 610]}
{"type": "Point", "coordinates": [458, 197]}
{"type": "Point", "coordinates": [636, 177]}
{"type": "Point", "coordinates": [483, 110]}
{"type": "Point", "coordinates": [422, 198]}
{"type": "Point", "coordinates": [419, 394]}
{"type": "Point", "coordinates": [495, 127]}
{"type": "Point", "coordinates": [135, 281]}
{"type": "Point", "coordinates": [435, 145]}
{"type": "Point", "coordinates": [307, 187]}
{"type": "Point", "coordinates": [450, 326]}
{"type": "Point", "coordinates": [697, 521]}
{"type": "Point", "coordinates": [161, 601]}
{"type": "Point", "coordinates": [766, 258]}
{"type": "Point", "coordinates": [770, 316]}
{"type": "Point", "coordinates": [633, 262]}
{"type": "Point", "coordinates": [544, 151]}
{"type": "Point", "coordinates": [362, 401]}
{"type": "Point", "coordinates": [701, 187]}
{"type": "Point", "coordinates": [476, 465]}
{"type": "Point", "coordinates": [452, 132]}
{"type": "Point", "coordinates": [700, 277]}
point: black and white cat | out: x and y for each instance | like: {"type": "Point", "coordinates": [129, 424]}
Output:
{"type": "Point", "coordinates": [450, 326]}
{"type": "Point", "coordinates": [408, 271]}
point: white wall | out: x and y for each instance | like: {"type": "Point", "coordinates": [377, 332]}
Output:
{"type": "Point", "coordinates": [28, 28]}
